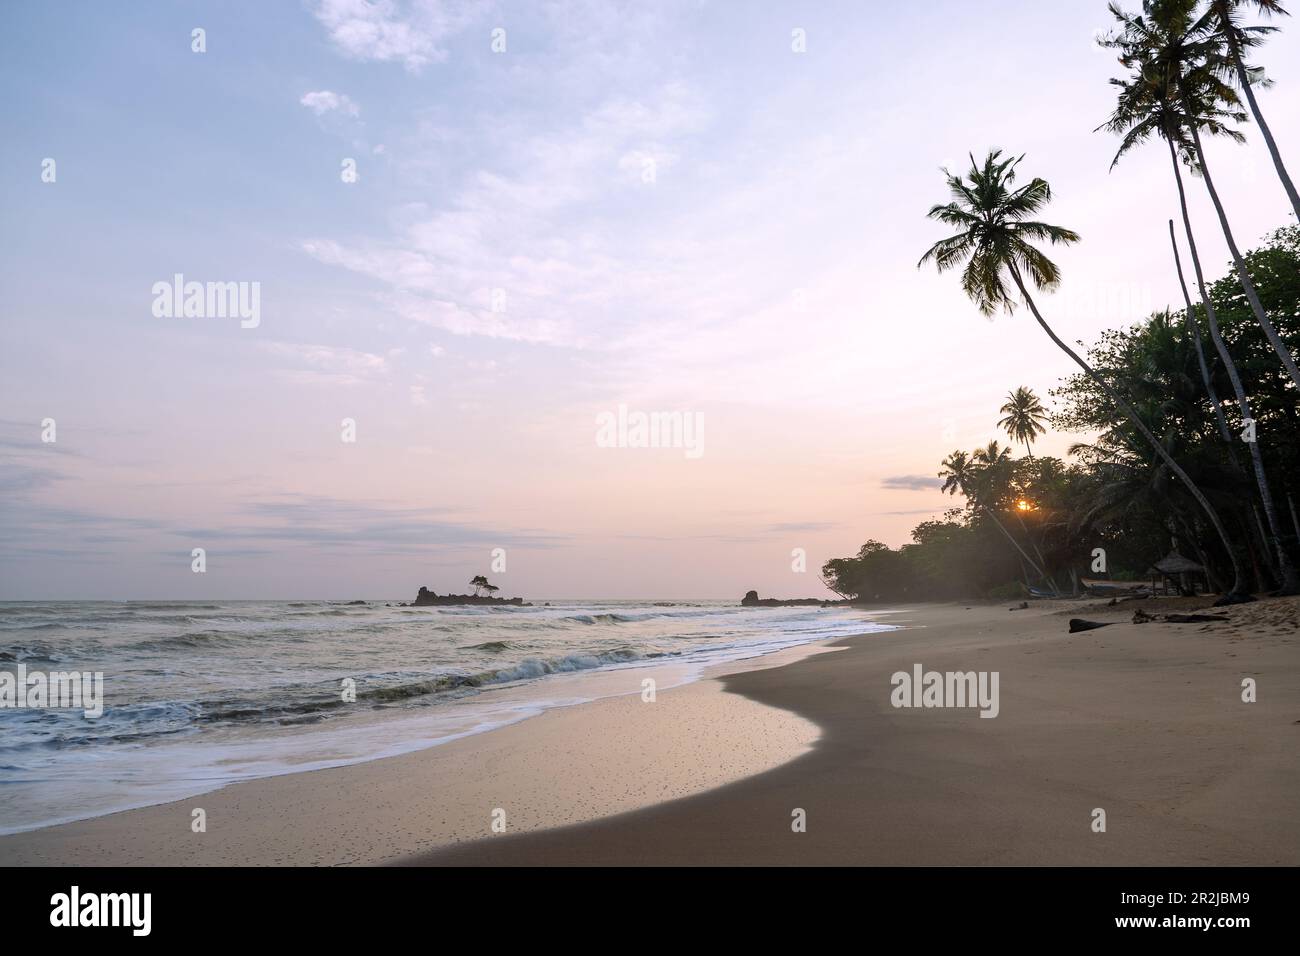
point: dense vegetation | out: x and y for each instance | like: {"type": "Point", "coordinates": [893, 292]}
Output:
{"type": "Point", "coordinates": [1194, 413]}
{"type": "Point", "coordinates": [1114, 493]}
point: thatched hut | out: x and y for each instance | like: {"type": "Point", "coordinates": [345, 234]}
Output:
{"type": "Point", "coordinates": [1180, 572]}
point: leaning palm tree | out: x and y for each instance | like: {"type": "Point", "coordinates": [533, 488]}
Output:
{"type": "Point", "coordinates": [1237, 39]}
{"type": "Point", "coordinates": [1168, 98]}
{"type": "Point", "coordinates": [995, 242]}
{"type": "Point", "coordinates": [1023, 417]}
{"type": "Point", "coordinates": [1177, 90]}
{"type": "Point", "coordinates": [1194, 332]}
{"type": "Point", "coordinates": [994, 475]}
{"type": "Point", "coordinates": [961, 473]}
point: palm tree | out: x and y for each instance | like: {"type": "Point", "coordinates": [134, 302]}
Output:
{"type": "Point", "coordinates": [993, 472]}
{"type": "Point", "coordinates": [1024, 417]}
{"type": "Point", "coordinates": [1194, 332]}
{"type": "Point", "coordinates": [1176, 91]}
{"type": "Point", "coordinates": [1166, 97]}
{"type": "Point", "coordinates": [995, 241]}
{"type": "Point", "coordinates": [962, 472]}
{"type": "Point", "coordinates": [1238, 38]}
{"type": "Point", "coordinates": [1281, 562]}
{"type": "Point", "coordinates": [995, 477]}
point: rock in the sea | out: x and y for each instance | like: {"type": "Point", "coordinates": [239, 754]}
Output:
{"type": "Point", "coordinates": [751, 599]}
{"type": "Point", "coordinates": [427, 598]}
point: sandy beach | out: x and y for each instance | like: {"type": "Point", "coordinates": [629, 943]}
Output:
{"type": "Point", "coordinates": [1144, 721]}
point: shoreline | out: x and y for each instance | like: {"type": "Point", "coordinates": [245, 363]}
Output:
{"type": "Point", "coordinates": [513, 691]}
{"type": "Point", "coordinates": [251, 813]}
{"type": "Point", "coordinates": [1145, 722]}
{"type": "Point", "coordinates": [1141, 720]}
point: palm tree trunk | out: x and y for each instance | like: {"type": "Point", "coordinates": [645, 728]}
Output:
{"type": "Point", "coordinates": [1289, 579]}
{"type": "Point", "coordinates": [1288, 360]}
{"type": "Point", "coordinates": [1264, 542]}
{"type": "Point", "coordinates": [1244, 79]}
{"type": "Point", "coordinates": [989, 511]}
{"type": "Point", "coordinates": [1037, 550]}
{"type": "Point", "coordinates": [1194, 330]}
{"type": "Point", "coordinates": [1238, 592]}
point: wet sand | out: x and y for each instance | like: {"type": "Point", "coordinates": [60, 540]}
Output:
{"type": "Point", "coordinates": [1145, 722]}
{"type": "Point", "coordinates": [563, 766]}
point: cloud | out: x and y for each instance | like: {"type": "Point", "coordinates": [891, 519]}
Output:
{"type": "Point", "coordinates": [547, 223]}
{"type": "Point", "coordinates": [387, 31]}
{"type": "Point", "coordinates": [358, 526]}
{"type": "Point", "coordinates": [790, 527]}
{"type": "Point", "coordinates": [321, 102]}
{"type": "Point", "coordinates": [327, 364]}
{"type": "Point", "coordinates": [910, 482]}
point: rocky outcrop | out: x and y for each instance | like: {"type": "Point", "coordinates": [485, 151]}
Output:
{"type": "Point", "coordinates": [427, 598]}
{"type": "Point", "coordinates": [751, 599]}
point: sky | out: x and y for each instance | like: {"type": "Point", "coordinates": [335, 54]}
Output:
{"type": "Point", "coordinates": [558, 209]}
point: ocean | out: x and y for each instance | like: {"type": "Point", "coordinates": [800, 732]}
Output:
{"type": "Point", "coordinates": [199, 694]}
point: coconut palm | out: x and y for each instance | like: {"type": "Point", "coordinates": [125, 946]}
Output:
{"type": "Point", "coordinates": [993, 466]}
{"type": "Point", "coordinates": [1237, 39]}
{"type": "Point", "coordinates": [1023, 417]}
{"type": "Point", "coordinates": [1177, 91]}
{"type": "Point", "coordinates": [1173, 95]}
{"type": "Point", "coordinates": [962, 472]}
{"type": "Point", "coordinates": [1194, 332]}
{"type": "Point", "coordinates": [995, 242]}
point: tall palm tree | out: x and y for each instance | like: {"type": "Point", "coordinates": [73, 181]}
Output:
{"type": "Point", "coordinates": [1237, 39]}
{"type": "Point", "coordinates": [1023, 417]}
{"type": "Point", "coordinates": [1172, 97]}
{"type": "Point", "coordinates": [961, 472]}
{"type": "Point", "coordinates": [1194, 332]}
{"type": "Point", "coordinates": [1176, 85]}
{"type": "Point", "coordinates": [995, 242]}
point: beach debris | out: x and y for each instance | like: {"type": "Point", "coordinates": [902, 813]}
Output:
{"type": "Point", "coordinates": [1078, 624]}
{"type": "Point", "coordinates": [1023, 605]}
{"type": "Point", "coordinates": [1142, 617]}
